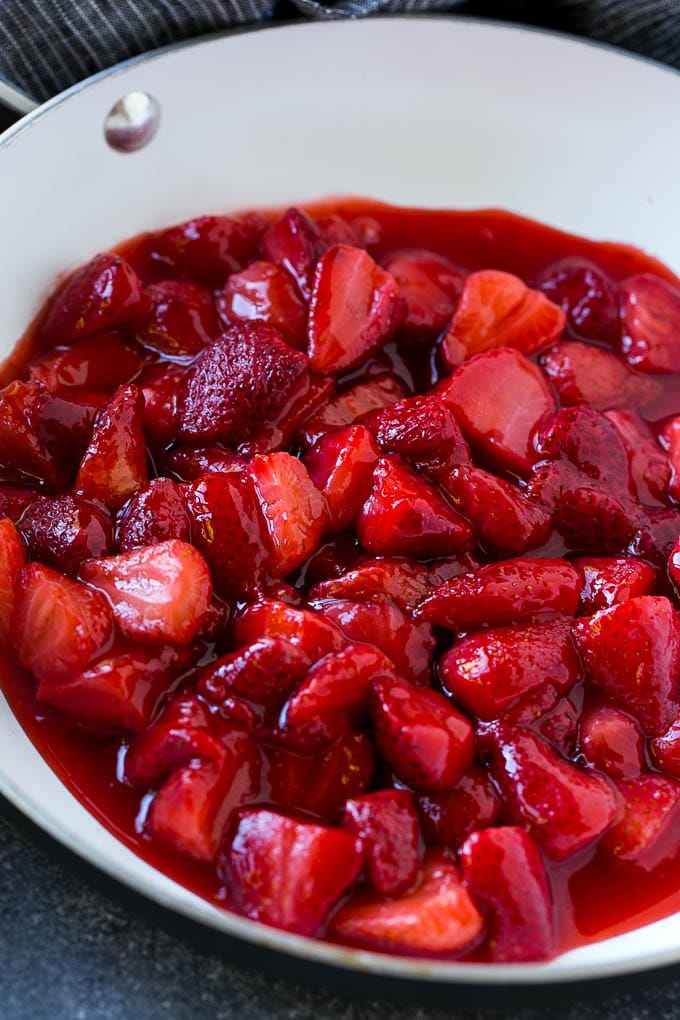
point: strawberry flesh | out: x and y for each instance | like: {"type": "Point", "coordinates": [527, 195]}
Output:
{"type": "Point", "coordinates": [430, 286]}
{"type": "Point", "coordinates": [612, 742]}
{"type": "Point", "coordinates": [265, 293]}
{"type": "Point", "coordinates": [387, 826]}
{"type": "Point", "coordinates": [650, 318]}
{"type": "Point", "coordinates": [590, 375]}
{"type": "Point", "coordinates": [114, 465]}
{"type": "Point", "coordinates": [62, 531]}
{"type": "Point", "coordinates": [341, 465]}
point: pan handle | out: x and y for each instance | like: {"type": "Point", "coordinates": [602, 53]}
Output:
{"type": "Point", "coordinates": [15, 99]}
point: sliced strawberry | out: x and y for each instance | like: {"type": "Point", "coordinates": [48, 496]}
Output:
{"type": "Point", "coordinates": [58, 626]}
{"type": "Point", "coordinates": [497, 309]}
{"type": "Point", "coordinates": [190, 463]}
{"type": "Point", "coordinates": [354, 309]}
{"type": "Point", "coordinates": [587, 294]}
{"type": "Point", "coordinates": [437, 917]}
{"type": "Point", "coordinates": [632, 653]}
{"type": "Point", "coordinates": [66, 423]}
{"type": "Point", "coordinates": [489, 671]}
{"type": "Point", "coordinates": [484, 394]}
{"type": "Point", "coordinates": [264, 672]}
{"type": "Point", "coordinates": [14, 499]}
{"type": "Point", "coordinates": [155, 514]}
{"type": "Point", "coordinates": [400, 580]}
{"type": "Point", "coordinates": [315, 635]}
{"type": "Point", "coordinates": [100, 363]}
{"type": "Point", "coordinates": [349, 406]}
{"type": "Point", "coordinates": [288, 873]}
{"type": "Point", "coordinates": [583, 374]}
{"type": "Point", "coordinates": [321, 783]}
{"type": "Point", "coordinates": [504, 871]}
{"type": "Point", "coordinates": [295, 244]}
{"type": "Point", "coordinates": [650, 321]}
{"type": "Point", "coordinates": [669, 438]}
{"type": "Point", "coordinates": [237, 383]}
{"type": "Point", "coordinates": [335, 229]}
{"type": "Point", "coordinates": [265, 293]}
{"type": "Point", "coordinates": [387, 825]}
{"type": "Point", "coordinates": [160, 385]}
{"type": "Point", "coordinates": [665, 750]}
{"type": "Point", "coordinates": [114, 465]}
{"type": "Point", "coordinates": [565, 809]}
{"type": "Point", "coordinates": [12, 559]}
{"type": "Point", "coordinates": [587, 439]}
{"type": "Point", "coordinates": [430, 286]}
{"type": "Point", "coordinates": [422, 429]}
{"type": "Point", "coordinates": [65, 530]}
{"type": "Point", "coordinates": [447, 818]}
{"type": "Point", "coordinates": [513, 591]}
{"type": "Point", "coordinates": [341, 465]}
{"type": "Point", "coordinates": [650, 466]}
{"type": "Point", "coordinates": [24, 455]}
{"type": "Point", "coordinates": [185, 730]}
{"type": "Point", "coordinates": [608, 581]}
{"type": "Point", "coordinates": [311, 393]}
{"type": "Point", "coordinates": [612, 742]}
{"type": "Point", "coordinates": [158, 593]}
{"type": "Point", "coordinates": [648, 833]}
{"type": "Point", "coordinates": [179, 319]}
{"type": "Point", "coordinates": [656, 536]}
{"type": "Point", "coordinates": [102, 294]}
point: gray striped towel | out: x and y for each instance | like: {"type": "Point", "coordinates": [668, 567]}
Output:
{"type": "Point", "coordinates": [46, 45]}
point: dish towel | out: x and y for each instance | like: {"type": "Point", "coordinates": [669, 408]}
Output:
{"type": "Point", "coordinates": [47, 45]}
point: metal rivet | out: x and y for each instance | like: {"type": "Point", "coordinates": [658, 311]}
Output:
{"type": "Point", "coordinates": [132, 122]}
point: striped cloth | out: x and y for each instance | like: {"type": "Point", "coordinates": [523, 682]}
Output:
{"type": "Point", "coordinates": [46, 45]}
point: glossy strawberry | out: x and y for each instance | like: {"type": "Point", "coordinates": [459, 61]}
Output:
{"type": "Point", "coordinates": [66, 423]}
{"type": "Point", "coordinates": [648, 833]}
{"type": "Point", "coordinates": [320, 783]}
{"type": "Point", "coordinates": [656, 536]}
{"type": "Point", "coordinates": [430, 286]}
{"type": "Point", "coordinates": [612, 742]}
{"type": "Point", "coordinates": [315, 635]}
{"type": "Point", "coordinates": [189, 463]}
{"type": "Point", "coordinates": [186, 730]}
{"type": "Point", "coordinates": [155, 514]}
{"type": "Point", "coordinates": [99, 363]}
{"type": "Point", "coordinates": [341, 465]}
{"type": "Point", "coordinates": [24, 454]}
{"type": "Point", "coordinates": [387, 826]}
{"type": "Point", "coordinates": [607, 581]}
{"type": "Point", "coordinates": [295, 244]}
{"type": "Point", "coordinates": [309, 395]}
{"type": "Point", "coordinates": [12, 559]}
{"type": "Point", "coordinates": [160, 384]}
{"type": "Point", "coordinates": [404, 582]}
{"type": "Point", "coordinates": [650, 466]}
{"type": "Point", "coordinates": [650, 321]}
{"type": "Point", "coordinates": [14, 499]}
{"type": "Point", "coordinates": [448, 817]}
{"type": "Point", "coordinates": [665, 750]}
{"type": "Point", "coordinates": [265, 293]}
{"type": "Point", "coordinates": [669, 438]}
{"type": "Point", "coordinates": [587, 294]}
{"type": "Point", "coordinates": [589, 375]}
{"type": "Point", "coordinates": [179, 319]}
{"type": "Point", "coordinates": [350, 406]}
{"type": "Point", "coordinates": [587, 439]}
{"type": "Point", "coordinates": [264, 672]}
{"type": "Point", "coordinates": [423, 430]}
{"type": "Point", "coordinates": [114, 465]}
{"type": "Point", "coordinates": [64, 530]}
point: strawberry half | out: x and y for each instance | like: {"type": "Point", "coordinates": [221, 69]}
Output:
{"type": "Point", "coordinates": [265, 293]}
{"type": "Point", "coordinates": [114, 465]}
{"type": "Point", "coordinates": [12, 559]}
{"type": "Point", "coordinates": [650, 319]}
{"type": "Point", "coordinates": [351, 405]}
{"type": "Point", "coordinates": [656, 537]}
{"type": "Point", "coordinates": [583, 374]}
{"type": "Point", "coordinates": [430, 286]}
{"type": "Point", "coordinates": [263, 672]}
{"type": "Point", "coordinates": [341, 464]}
{"type": "Point", "coordinates": [448, 817]}
{"type": "Point", "coordinates": [179, 319]}
{"type": "Point", "coordinates": [665, 750]}
{"type": "Point", "coordinates": [160, 384]}
{"type": "Point", "coordinates": [387, 825]}
{"type": "Point", "coordinates": [185, 730]}
{"type": "Point", "coordinates": [320, 783]}
{"type": "Point", "coordinates": [648, 833]}
{"type": "Point", "coordinates": [612, 742]}
{"type": "Point", "coordinates": [607, 581]}
{"type": "Point", "coordinates": [422, 429]}
{"type": "Point", "coordinates": [587, 295]}
{"type": "Point", "coordinates": [587, 439]}
{"type": "Point", "coordinates": [315, 635]}
{"type": "Point", "coordinates": [24, 452]}
{"type": "Point", "coordinates": [400, 580]}
{"type": "Point", "coordinates": [65, 530]}
{"type": "Point", "coordinates": [155, 514]}
{"type": "Point", "coordinates": [650, 466]}
{"type": "Point", "coordinates": [99, 364]}
{"type": "Point", "coordinates": [295, 244]}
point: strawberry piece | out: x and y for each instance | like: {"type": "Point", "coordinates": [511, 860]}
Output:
{"type": "Point", "coordinates": [335, 229]}
{"type": "Point", "coordinates": [484, 396]}
{"type": "Point", "coordinates": [190, 463]}
{"type": "Point", "coordinates": [447, 818]}
{"type": "Point", "coordinates": [114, 465]}
{"type": "Point", "coordinates": [559, 725]}
{"type": "Point", "coordinates": [665, 750]}
{"type": "Point", "coordinates": [648, 833]}
{"type": "Point", "coordinates": [513, 591]}
{"type": "Point", "coordinates": [504, 871]}
{"type": "Point", "coordinates": [650, 321]}
{"type": "Point", "coordinates": [288, 873]}
{"type": "Point", "coordinates": [655, 538]}
{"type": "Point", "coordinates": [24, 455]}
{"type": "Point", "coordinates": [387, 825]}
{"type": "Point", "coordinates": [429, 285]}
{"type": "Point", "coordinates": [265, 293]}
{"type": "Point", "coordinates": [100, 363]}
{"type": "Point", "coordinates": [503, 520]}
{"type": "Point", "coordinates": [155, 514]}
{"type": "Point", "coordinates": [587, 439]}
{"type": "Point", "coordinates": [58, 626]}
{"type": "Point", "coordinates": [66, 424]}
{"type": "Point", "coordinates": [292, 510]}
{"type": "Point", "coordinates": [407, 643]}
{"type": "Point", "coordinates": [649, 466]}
{"type": "Point", "coordinates": [179, 320]}
{"type": "Point", "coordinates": [400, 580]}
{"type": "Point", "coordinates": [295, 244]}
{"type": "Point", "coordinates": [565, 809]}
{"type": "Point", "coordinates": [404, 515]}
{"type": "Point", "coordinates": [438, 916]}
{"type": "Point", "coordinates": [351, 405]}
{"type": "Point", "coordinates": [238, 382]}
{"type": "Point", "coordinates": [101, 295]}
{"type": "Point", "coordinates": [497, 309]}
{"type": "Point", "coordinates": [582, 374]}
{"type": "Point", "coordinates": [489, 671]}
{"type": "Point", "coordinates": [609, 581]}
{"type": "Point", "coordinates": [428, 743]}
{"type": "Point", "coordinates": [215, 621]}
{"type": "Point", "coordinates": [306, 398]}
{"type": "Point", "coordinates": [422, 429]}
{"type": "Point", "coordinates": [669, 437]}
{"type": "Point", "coordinates": [331, 559]}
{"type": "Point", "coordinates": [186, 730]}
{"type": "Point", "coordinates": [64, 530]}
{"type": "Point", "coordinates": [612, 742]}
{"type": "Point", "coordinates": [354, 309]}
{"type": "Point", "coordinates": [587, 294]}
{"type": "Point", "coordinates": [12, 559]}
{"type": "Point", "coordinates": [14, 500]}
{"type": "Point", "coordinates": [264, 672]}
{"type": "Point", "coordinates": [315, 635]}
{"type": "Point", "coordinates": [632, 653]}
{"type": "Point", "coordinates": [158, 593]}
{"type": "Point", "coordinates": [321, 783]}
{"type": "Point", "coordinates": [341, 465]}
{"type": "Point", "coordinates": [160, 386]}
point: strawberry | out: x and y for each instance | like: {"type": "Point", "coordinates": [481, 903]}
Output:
{"type": "Point", "coordinates": [448, 817]}
{"type": "Point", "coordinates": [292, 510]}
{"type": "Point", "coordinates": [190, 463]}
{"type": "Point", "coordinates": [315, 635]}
{"type": "Point", "coordinates": [669, 438]}
{"type": "Point", "coordinates": [114, 465]}
{"type": "Point", "coordinates": [504, 871]}
{"type": "Point", "coordinates": [564, 808]}
{"type": "Point", "coordinates": [321, 783]}
{"type": "Point", "coordinates": [612, 742]}
{"type": "Point", "coordinates": [216, 621]}
{"type": "Point", "coordinates": [513, 591]}
{"type": "Point", "coordinates": [489, 671]}
{"type": "Point", "coordinates": [341, 464]}
{"type": "Point", "coordinates": [66, 423]}
{"type": "Point", "coordinates": [311, 393]}
{"type": "Point", "coordinates": [655, 537]}
{"type": "Point", "coordinates": [349, 406]}
{"type": "Point", "coordinates": [665, 750]}
{"type": "Point", "coordinates": [58, 626]}
{"type": "Point", "coordinates": [648, 833]}
{"type": "Point", "coordinates": [160, 385]}
{"type": "Point", "coordinates": [559, 723]}
{"type": "Point", "coordinates": [99, 363]}
{"type": "Point", "coordinates": [438, 916]}
{"type": "Point", "coordinates": [430, 286]}
{"type": "Point", "coordinates": [387, 825]}
{"type": "Point", "coordinates": [582, 374]}
{"type": "Point", "coordinates": [155, 514]}
{"type": "Point", "coordinates": [331, 559]}
{"type": "Point", "coordinates": [632, 654]}
{"type": "Point", "coordinates": [179, 319]}
{"type": "Point", "coordinates": [650, 466]}
{"type": "Point", "coordinates": [264, 672]}
{"type": "Point", "coordinates": [62, 531]}
{"type": "Point", "coordinates": [428, 743]}
{"type": "Point", "coordinates": [354, 309]}
{"type": "Point", "coordinates": [587, 439]}
{"type": "Point", "coordinates": [101, 295]}
{"type": "Point", "coordinates": [185, 731]}
{"type": "Point", "coordinates": [14, 499]}
{"type": "Point", "coordinates": [483, 395]}
{"type": "Point", "coordinates": [295, 244]}
{"type": "Point", "coordinates": [24, 455]}
{"type": "Point", "coordinates": [12, 559]}
{"type": "Point", "coordinates": [237, 383]}
{"type": "Point", "coordinates": [422, 429]}
{"type": "Point", "coordinates": [650, 323]}
{"type": "Point", "coordinates": [400, 580]}
{"type": "Point", "coordinates": [335, 229]}
{"type": "Point", "coordinates": [265, 293]}
{"type": "Point", "coordinates": [608, 581]}
{"type": "Point", "coordinates": [288, 873]}
{"type": "Point", "coordinates": [158, 593]}
{"type": "Point", "coordinates": [497, 309]}
{"type": "Point", "coordinates": [404, 515]}
{"type": "Point", "coordinates": [587, 294]}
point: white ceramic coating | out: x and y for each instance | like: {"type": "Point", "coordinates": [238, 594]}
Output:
{"type": "Point", "coordinates": [430, 112]}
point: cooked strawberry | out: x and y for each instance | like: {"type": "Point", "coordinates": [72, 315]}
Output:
{"type": "Point", "coordinates": [559, 724]}
{"type": "Point", "coordinates": [58, 626]}
{"type": "Point", "coordinates": [265, 293]}
{"type": "Point", "coordinates": [650, 323]}
{"type": "Point", "coordinates": [513, 591]}
{"type": "Point", "coordinates": [66, 423]}
{"type": "Point", "coordinates": [185, 731]}
{"type": "Point", "coordinates": [387, 825]}
{"type": "Point", "coordinates": [238, 383]}
{"type": "Point", "coordinates": [607, 581]}
{"type": "Point", "coordinates": [62, 531]}
{"type": "Point", "coordinates": [587, 439]}
{"type": "Point", "coordinates": [504, 871]}
{"type": "Point", "coordinates": [189, 463]}
{"type": "Point", "coordinates": [587, 294]}
{"type": "Point", "coordinates": [216, 621]}
{"type": "Point", "coordinates": [315, 635]}
{"type": "Point", "coordinates": [265, 671]}
{"type": "Point", "coordinates": [321, 783]}
{"type": "Point", "coordinates": [158, 593]}
{"type": "Point", "coordinates": [582, 374]}
{"type": "Point", "coordinates": [612, 742]}
{"type": "Point", "coordinates": [665, 750]}
{"type": "Point", "coordinates": [484, 396]}
{"type": "Point", "coordinates": [335, 229]}
{"type": "Point", "coordinates": [445, 568]}
{"type": "Point", "coordinates": [293, 511]}
{"type": "Point", "coordinates": [12, 559]}
{"type": "Point", "coordinates": [650, 466]}
{"type": "Point", "coordinates": [448, 817]}
{"type": "Point", "coordinates": [400, 580]}
{"type": "Point", "coordinates": [564, 808]}
{"type": "Point", "coordinates": [341, 464]}
{"type": "Point", "coordinates": [422, 429]}
{"type": "Point", "coordinates": [295, 244]}
{"type": "Point", "coordinates": [160, 385]}
{"type": "Point", "coordinates": [656, 536]}
{"type": "Point", "coordinates": [14, 499]}
{"type": "Point", "coordinates": [332, 558]}
{"type": "Point", "coordinates": [354, 309]}
{"type": "Point", "coordinates": [438, 916]}
{"type": "Point", "coordinates": [430, 286]}
{"type": "Point", "coordinates": [632, 653]}
{"type": "Point", "coordinates": [100, 363]}
{"type": "Point", "coordinates": [114, 465]}
{"type": "Point", "coordinates": [536, 705]}
{"type": "Point", "coordinates": [24, 455]}
{"type": "Point", "coordinates": [648, 833]}
{"type": "Point", "coordinates": [669, 438]}
{"type": "Point", "coordinates": [311, 393]}
{"type": "Point", "coordinates": [349, 406]}
{"type": "Point", "coordinates": [489, 671]}
{"type": "Point", "coordinates": [155, 514]}
{"type": "Point", "coordinates": [179, 319]}
{"type": "Point", "coordinates": [497, 309]}
{"type": "Point", "coordinates": [102, 294]}
{"type": "Point", "coordinates": [288, 873]}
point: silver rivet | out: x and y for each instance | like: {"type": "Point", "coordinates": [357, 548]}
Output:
{"type": "Point", "coordinates": [132, 122]}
